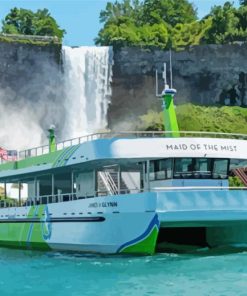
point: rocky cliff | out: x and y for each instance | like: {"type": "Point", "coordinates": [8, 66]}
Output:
{"type": "Point", "coordinates": [206, 75]}
{"type": "Point", "coordinates": [30, 92]}
{"type": "Point", "coordinates": [31, 81]}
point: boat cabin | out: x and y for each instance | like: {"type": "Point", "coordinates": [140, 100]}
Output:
{"type": "Point", "coordinates": [110, 166]}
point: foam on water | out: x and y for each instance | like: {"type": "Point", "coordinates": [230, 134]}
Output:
{"type": "Point", "coordinates": [34, 273]}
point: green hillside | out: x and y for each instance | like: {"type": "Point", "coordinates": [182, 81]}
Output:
{"type": "Point", "coordinates": [199, 118]}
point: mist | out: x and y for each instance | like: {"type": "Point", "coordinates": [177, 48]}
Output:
{"type": "Point", "coordinates": [36, 92]}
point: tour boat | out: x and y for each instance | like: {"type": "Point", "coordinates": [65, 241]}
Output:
{"type": "Point", "coordinates": [127, 192]}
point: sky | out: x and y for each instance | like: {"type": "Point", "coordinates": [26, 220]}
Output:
{"type": "Point", "coordinates": [80, 18]}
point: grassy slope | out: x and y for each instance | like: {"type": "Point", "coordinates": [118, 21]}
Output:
{"type": "Point", "coordinates": [199, 118]}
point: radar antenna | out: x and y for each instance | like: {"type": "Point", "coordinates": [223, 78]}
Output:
{"type": "Point", "coordinates": [167, 95]}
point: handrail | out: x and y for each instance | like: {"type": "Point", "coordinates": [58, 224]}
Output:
{"type": "Point", "coordinates": [109, 183]}
{"type": "Point", "coordinates": [199, 188]}
{"type": "Point", "coordinates": [40, 150]}
{"type": "Point", "coordinates": [57, 198]}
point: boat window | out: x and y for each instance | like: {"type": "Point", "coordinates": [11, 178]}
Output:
{"type": "Point", "coordinates": [189, 168]}
{"type": "Point", "coordinates": [220, 168]}
{"type": "Point", "coordinates": [183, 168]}
{"type": "Point", "coordinates": [160, 169]}
{"type": "Point", "coordinates": [202, 168]}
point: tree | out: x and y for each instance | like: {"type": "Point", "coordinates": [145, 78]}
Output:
{"type": "Point", "coordinates": [129, 11]}
{"type": "Point", "coordinates": [243, 2]}
{"type": "Point", "coordinates": [172, 12]}
{"type": "Point", "coordinates": [27, 22]}
{"type": "Point", "coordinates": [143, 23]}
{"type": "Point", "coordinates": [170, 23]}
{"type": "Point", "coordinates": [224, 28]}
{"type": "Point", "coordinates": [190, 34]}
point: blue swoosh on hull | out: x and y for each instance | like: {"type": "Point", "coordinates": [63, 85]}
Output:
{"type": "Point", "coordinates": [153, 223]}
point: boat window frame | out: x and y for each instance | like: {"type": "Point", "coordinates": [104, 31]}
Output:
{"type": "Point", "coordinates": [153, 174]}
{"type": "Point", "coordinates": [194, 175]}
{"type": "Point", "coordinates": [228, 168]}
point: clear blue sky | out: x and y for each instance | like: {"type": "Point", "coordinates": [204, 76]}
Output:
{"type": "Point", "coordinates": [80, 18]}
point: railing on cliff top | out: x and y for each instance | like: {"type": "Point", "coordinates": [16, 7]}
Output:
{"type": "Point", "coordinates": [127, 134]}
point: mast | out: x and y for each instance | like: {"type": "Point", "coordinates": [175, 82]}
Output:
{"type": "Point", "coordinates": [169, 113]}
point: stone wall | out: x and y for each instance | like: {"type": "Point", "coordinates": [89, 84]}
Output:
{"type": "Point", "coordinates": [207, 75]}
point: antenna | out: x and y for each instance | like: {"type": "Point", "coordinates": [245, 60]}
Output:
{"type": "Point", "coordinates": [164, 74]}
{"type": "Point", "coordinates": [157, 81]}
{"type": "Point", "coordinates": [171, 68]}
{"type": "Point", "coordinates": [167, 89]}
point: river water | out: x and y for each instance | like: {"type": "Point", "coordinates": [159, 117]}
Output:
{"type": "Point", "coordinates": [200, 273]}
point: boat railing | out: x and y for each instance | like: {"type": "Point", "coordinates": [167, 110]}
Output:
{"type": "Point", "coordinates": [127, 134]}
{"type": "Point", "coordinates": [58, 198]}
{"type": "Point", "coordinates": [197, 188]}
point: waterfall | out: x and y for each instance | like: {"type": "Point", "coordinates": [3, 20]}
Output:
{"type": "Point", "coordinates": [87, 74]}
{"type": "Point", "coordinates": [36, 91]}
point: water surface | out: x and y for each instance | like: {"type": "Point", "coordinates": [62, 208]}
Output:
{"type": "Point", "coordinates": [200, 273]}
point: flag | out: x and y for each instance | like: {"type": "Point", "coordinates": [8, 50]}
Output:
{"type": "Point", "coordinates": [3, 154]}
{"type": "Point", "coordinates": [8, 155]}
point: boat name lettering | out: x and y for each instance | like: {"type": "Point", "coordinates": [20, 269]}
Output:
{"type": "Point", "coordinates": [108, 204]}
{"type": "Point", "coordinates": [204, 147]}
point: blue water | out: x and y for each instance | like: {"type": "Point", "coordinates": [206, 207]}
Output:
{"type": "Point", "coordinates": [201, 273]}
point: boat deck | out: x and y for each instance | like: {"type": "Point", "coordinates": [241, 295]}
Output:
{"type": "Point", "coordinates": [36, 151]}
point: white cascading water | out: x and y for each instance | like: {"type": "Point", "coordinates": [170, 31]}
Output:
{"type": "Point", "coordinates": [75, 99]}
{"type": "Point", "coordinates": [88, 73]}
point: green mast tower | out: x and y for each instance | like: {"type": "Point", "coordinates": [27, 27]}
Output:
{"type": "Point", "coordinates": [169, 113]}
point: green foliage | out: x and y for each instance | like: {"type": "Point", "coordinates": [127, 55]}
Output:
{"type": "Point", "coordinates": [190, 34]}
{"type": "Point", "coordinates": [26, 22]}
{"type": "Point", "coordinates": [199, 118]}
{"type": "Point", "coordinates": [152, 121]}
{"type": "Point", "coordinates": [170, 24]}
{"type": "Point", "coordinates": [142, 23]}
{"type": "Point", "coordinates": [171, 12]}
{"type": "Point", "coordinates": [243, 2]}
{"type": "Point", "coordinates": [235, 182]}
{"type": "Point", "coordinates": [224, 28]}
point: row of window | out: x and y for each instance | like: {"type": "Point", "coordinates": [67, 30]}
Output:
{"type": "Point", "coordinates": [189, 168]}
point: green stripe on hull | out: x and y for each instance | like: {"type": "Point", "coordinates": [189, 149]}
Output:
{"type": "Point", "coordinates": [33, 246]}
{"type": "Point", "coordinates": [146, 246]}
{"type": "Point", "coordinates": [24, 235]}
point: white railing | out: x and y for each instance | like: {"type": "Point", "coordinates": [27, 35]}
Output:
{"type": "Point", "coordinates": [127, 134]}
{"type": "Point", "coordinates": [49, 199]}
{"type": "Point", "coordinates": [108, 182]}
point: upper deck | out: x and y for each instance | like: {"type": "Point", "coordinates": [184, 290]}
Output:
{"type": "Point", "coordinates": [127, 145]}
{"type": "Point", "coordinates": [41, 150]}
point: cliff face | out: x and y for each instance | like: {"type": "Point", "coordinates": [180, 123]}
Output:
{"type": "Point", "coordinates": [30, 92]}
{"type": "Point", "coordinates": [32, 83]}
{"type": "Point", "coordinates": [21, 64]}
{"type": "Point", "coordinates": [207, 75]}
